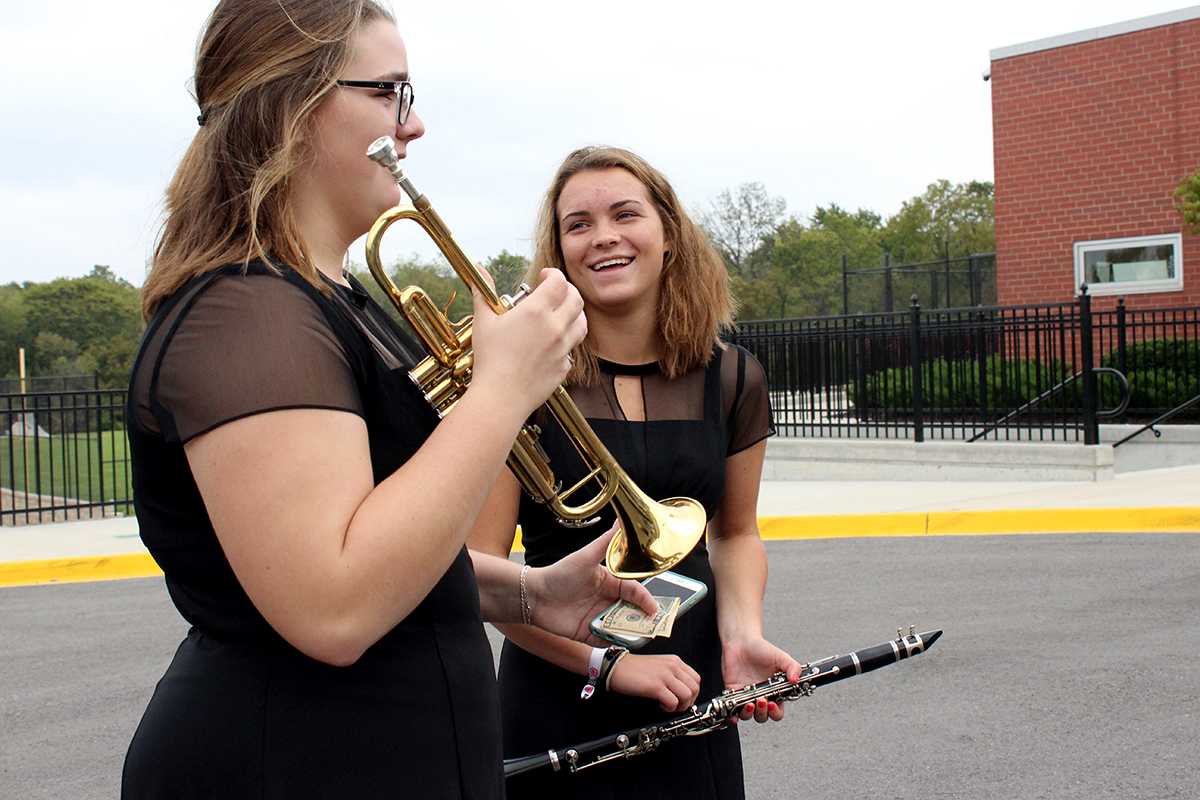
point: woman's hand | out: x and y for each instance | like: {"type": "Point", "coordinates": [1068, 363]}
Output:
{"type": "Point", "coordinates": [523, 354]}
{"type": "Point", "coordinates": [568, 594]}
{"type": "Point", "coordinates": [750, 660]}
{"type": "Point", "coordinates": [665, 678]}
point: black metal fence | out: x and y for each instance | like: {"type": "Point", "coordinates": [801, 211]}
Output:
{"type": "Point", "coordinates": [945, 283]}
{"type": "Point", "coordinates": [956, 373]}
{"type": "Point", "coordinates": [63, 456]}
{"type": "Point", "coordinates": [50, 383]}
{"type": "Point", "coordinates": [1158, 349]}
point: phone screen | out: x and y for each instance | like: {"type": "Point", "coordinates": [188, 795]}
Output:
{"type": "Point", "coordinates": [663, 588]}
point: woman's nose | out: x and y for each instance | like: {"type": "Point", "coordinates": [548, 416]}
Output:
{"type": "Point", "coordinates": [413, 127]}
{"type": "Point", "coordinates": [604, 235]}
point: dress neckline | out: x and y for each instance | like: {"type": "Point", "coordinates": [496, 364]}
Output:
{"type": "Point", "coordinates": [352, 291]}
{"type": "Point", "coordinates": [614, 368]}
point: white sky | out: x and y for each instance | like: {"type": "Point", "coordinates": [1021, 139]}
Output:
{"type": "Point", "coordinates": [861, 104]}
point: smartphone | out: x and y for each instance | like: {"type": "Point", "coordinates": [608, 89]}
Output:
{"type": "Point", "coordinates": [666, 584]}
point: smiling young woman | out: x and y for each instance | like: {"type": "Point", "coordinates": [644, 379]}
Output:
{"type": "Point", "coordinates": [308, 508]}
{"type": "Point", "coordinates": [684, 415]}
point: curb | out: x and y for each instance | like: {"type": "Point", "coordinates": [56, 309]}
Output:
{"type": "Point", "coordinates": [82, 569]}
{"type": "Point", "coordinates": [1181, 519]}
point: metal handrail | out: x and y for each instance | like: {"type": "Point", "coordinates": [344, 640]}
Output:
{"type": "Point", "coordinates": [1149, 426]}
{"type": "Point", "coordinates": [1112, 412]}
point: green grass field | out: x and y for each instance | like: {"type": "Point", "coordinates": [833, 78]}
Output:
{"type": "Point", "coordinates": [91, 467]}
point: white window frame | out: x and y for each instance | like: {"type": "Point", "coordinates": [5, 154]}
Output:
{"type": "Point", "coordinates": [1175, 240]}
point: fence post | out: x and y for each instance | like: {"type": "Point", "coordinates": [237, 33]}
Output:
{"type": "Point", "coordinates": [1121, 355]}
{"type": "Point", "coordinates": [949, 302]}
{"type": "Point", "coordinates": [1091, 424]}
{"type": "Point", "coordinates": [37, 461]}
{"type": "Point", "coordinates": [860, 372]}
{"type": "Point", "coordinates": [973, 287]}
{"type": "Point", "coordinates": [845, 286]}
{"type": "Point", "coordinates": [100, 453]}
{"type": "Point", "coordinates": [918, 400]}
{"type": "Point", "coordinates": [889, 301]}
{"type": "Point", "coordinates": [981, 360]}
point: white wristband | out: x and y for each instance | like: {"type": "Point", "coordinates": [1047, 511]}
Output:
{"type": "Point", "coordinates": [594, 661]}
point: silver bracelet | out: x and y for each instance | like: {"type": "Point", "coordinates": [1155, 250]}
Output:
{"type": "Point", "coordinates": [526, 611]}
{"type": "Point", "coordinates": [612, 666]}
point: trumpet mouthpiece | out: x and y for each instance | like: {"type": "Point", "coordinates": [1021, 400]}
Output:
{"type": "Point", "coordinates": [383, 151]}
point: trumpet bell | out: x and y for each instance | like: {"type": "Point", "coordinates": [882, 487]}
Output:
{"type": "Point", "coordinates": [654, 536]}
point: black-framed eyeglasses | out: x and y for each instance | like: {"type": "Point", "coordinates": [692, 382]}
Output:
{"type": "Point", "coordinates": [402, 89]}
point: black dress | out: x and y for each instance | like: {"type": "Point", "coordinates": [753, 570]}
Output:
{"type": "Point", "coordinates": [693, 423]}
{"type": "Point", "coordinates": [240, 713]}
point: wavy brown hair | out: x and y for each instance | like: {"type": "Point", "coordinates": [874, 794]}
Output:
{"type": "Point", "coordinates": [262, 68]}
{"type": "Point", "coordinates": [694, 304]}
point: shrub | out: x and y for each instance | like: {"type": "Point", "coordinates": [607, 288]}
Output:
{"type": "Point", "coordinates": [1162, 373]}
{"type": "Point", "coordinates": [955, 385]}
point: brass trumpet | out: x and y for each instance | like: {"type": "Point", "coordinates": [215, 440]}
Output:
{"type": "Point", "coordinates": [653, 536]}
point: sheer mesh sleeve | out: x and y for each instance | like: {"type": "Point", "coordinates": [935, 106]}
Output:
{"type": "Point", "coordinates": [749, 417]}
{"type": "Point", "coordinates": [245, 345]}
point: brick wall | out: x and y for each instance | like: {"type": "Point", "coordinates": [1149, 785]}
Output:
{"type": "Point", "coordinates": [1090, 141]}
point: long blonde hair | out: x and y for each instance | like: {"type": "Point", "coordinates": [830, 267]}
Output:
{"type": "Point", "coordinates": [262, 68]}
{"type": "Point", "coordinates": [695, 305]}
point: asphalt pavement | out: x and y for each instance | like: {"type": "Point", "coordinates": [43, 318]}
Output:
{"type": "Point", "coordinates": [1066, 670]}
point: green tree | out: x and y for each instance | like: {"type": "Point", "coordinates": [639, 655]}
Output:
{"type": "Point", "coordinates": [508, 270]}
{"type": "Point", "coordinates": [858, 234]}
{"type": "Point", "coordinates": [433, 276]}
{"type": "Point", "coordinates": [89, 324]}
{"type": "Point", "coordinates": [737, 222]}
{"type": "Point", "coordinates": [798, 273]}
{"type": "Point", "coordinates": [955, 219]}
{"type": "Point", "coordinates": [788, 267]}
{"type": "Point", "coordinates": [1187, 200]}
{"type": "Point", "coordinates": [12, 327]}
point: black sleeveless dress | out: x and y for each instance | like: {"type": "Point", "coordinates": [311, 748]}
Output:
{"type": "Point", "coordinates": [240, 713]}
{"type": "Point", "coordinates": [693, 423]}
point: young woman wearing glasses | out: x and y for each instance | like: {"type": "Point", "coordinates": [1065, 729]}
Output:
{"type": "Point", "coordinates": [307, 507]}
{"type": "Point", "coordinates": [684, 415]}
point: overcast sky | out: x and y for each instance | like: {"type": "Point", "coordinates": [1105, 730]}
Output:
{"type": "Point", "coordinates": [860, 104]}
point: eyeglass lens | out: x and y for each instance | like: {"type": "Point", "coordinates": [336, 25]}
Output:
{"type": "Point", "coordinates": [406, 102]}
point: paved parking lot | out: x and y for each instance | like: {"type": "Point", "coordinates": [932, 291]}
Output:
{"type": "Point", "coordinates": [1067, 670]}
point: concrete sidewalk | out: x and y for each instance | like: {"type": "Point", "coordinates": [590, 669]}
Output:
{"type": "Point", "coordinates": [1155, 488]}
{"type": "Point", "coordinates": [1152, 501]}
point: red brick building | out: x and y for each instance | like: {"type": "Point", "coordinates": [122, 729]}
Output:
{"type": "Point", "coordinates": [1092, 133]}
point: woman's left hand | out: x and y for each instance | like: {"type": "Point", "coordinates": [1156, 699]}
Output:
{"type": "Point", "coordinates": [750, 660]}
{"type": "Point", "coordinates": [569, 593]}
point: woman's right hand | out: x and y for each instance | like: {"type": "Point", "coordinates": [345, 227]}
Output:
{"type": "Point", "coordinates": [666, 679]}
{"type": "Point", "coordinates": [524, 353]}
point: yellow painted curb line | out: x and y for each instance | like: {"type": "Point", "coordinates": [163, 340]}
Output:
{"type": "Point", "coordinates": [78, 570]}
{"type": "Point", "coordinates": [1184, 519]}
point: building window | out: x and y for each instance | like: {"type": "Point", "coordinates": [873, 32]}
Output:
{"type": "Point", "coordinates": [1130, 266]}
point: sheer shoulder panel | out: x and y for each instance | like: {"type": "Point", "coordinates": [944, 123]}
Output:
{"type": "Point", "coordinates": [747, 403]}
{"type": "Point", "coordinates": [242, 345]}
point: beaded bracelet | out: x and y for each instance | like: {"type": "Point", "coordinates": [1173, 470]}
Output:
{"type": "Point", "coordinates": [526, 610]}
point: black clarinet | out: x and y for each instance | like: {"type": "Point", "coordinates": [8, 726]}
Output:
{"type": "Point", "coordinates": [717, 712]}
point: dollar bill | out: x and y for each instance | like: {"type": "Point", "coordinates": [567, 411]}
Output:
{"type": "Point", "coordinates": [629, 619]}
{"type": "Point", "coordinates": [668, 622]}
